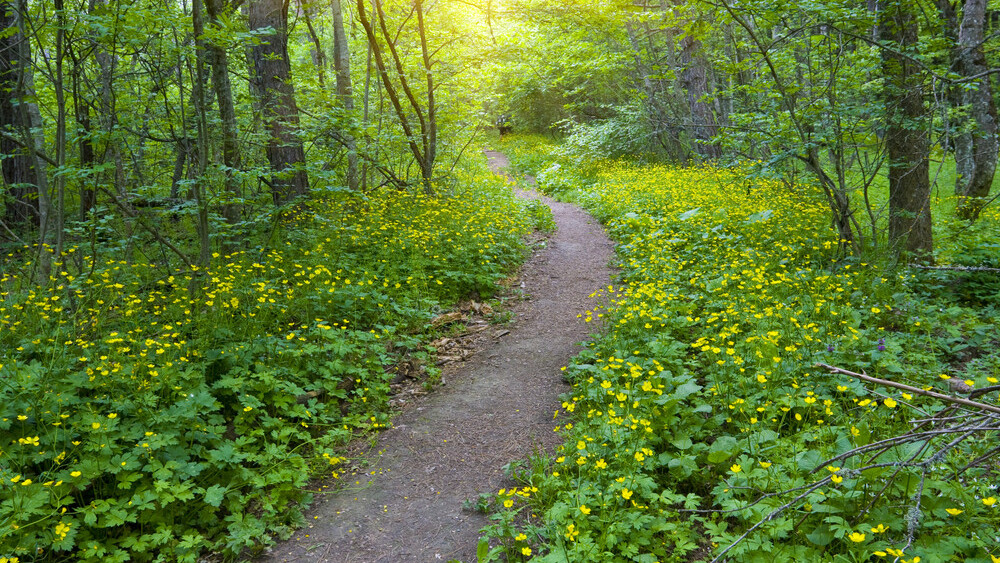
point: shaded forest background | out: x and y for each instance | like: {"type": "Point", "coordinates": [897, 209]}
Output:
{"type": "Point", "coordinates": [217, 111]}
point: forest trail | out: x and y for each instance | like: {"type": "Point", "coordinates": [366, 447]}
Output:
{"type": "Point", "coordinates": [450, 445]}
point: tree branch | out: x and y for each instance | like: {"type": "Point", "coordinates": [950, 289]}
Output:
{"type": "Point", "coordinates": [915, 390]}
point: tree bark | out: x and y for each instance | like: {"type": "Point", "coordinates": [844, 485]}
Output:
{"type": "Point", "coordinates": [906, 137]}
{"type": "Point", "coordinates": [19, 165]}
{"type": "Point", "coordinates": [694, 80]}
{"type": "Point", "coordinates": [345, 90]}
{"type": "Point", "coordinates": [88, 195]}
{"type": "Point", "coordinates": [107, 116]}
{"type": "Point", "coordinates": [430, 139]}
{"type": "Point", "coordinates": [200, 98]}
{"type": "Point", "coordinates": [271, 82]}
{"type": "Point", "coordinates": [976, 149]}
{"type": "Point", "coordinates": [219, 61]}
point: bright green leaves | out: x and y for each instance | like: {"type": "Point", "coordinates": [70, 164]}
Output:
{"type": "Point", "coordinates": [705, 382]}
{"type": "Point", "coordinates": [178, 414]}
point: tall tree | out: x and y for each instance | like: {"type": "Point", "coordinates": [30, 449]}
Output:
{"type": "Point", "coordinates": [200, 97]}
{"type": "Point", "coordinates": [219, 61]}
{"type": "Point", "coordinates": [422, 142]}
{"type": "Point", "coordinates": [20, 166]}
{"type": "Point", "coordinates": [906, 136]}
{"type": "Point", "coordinates": [272, 84]}
{"type": "Point", "coordinates": [318, 53]}
{"type": "Point", "coordinates": [694, 80]}
{"type": "Point", "coordinates": [345, 90]}
{"type": "Point", "coordinates": [976, 146]}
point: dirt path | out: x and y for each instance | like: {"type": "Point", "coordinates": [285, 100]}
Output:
{"type": "Point", "coordinates": [449, 446]}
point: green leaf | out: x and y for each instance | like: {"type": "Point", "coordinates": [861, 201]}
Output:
{"type": "Point", "coordinates": [214, 495]}
{"type": "Point", "coordinates": [689, 214]}
{"type": "Point", "coordinates": [482, 549]}
{"type": "Point", "coordinates": [686, 390]}
{"type": "Point", "coordinates": [809, 460]}
{"type": "Point", "coordinates": [682, 442]}
{"type": "Point", "coordinates": [722, 449]}
{"type": "Point", "coordinates": [759, 216]}
{"type": "Point", "coordinates": [821, 536]}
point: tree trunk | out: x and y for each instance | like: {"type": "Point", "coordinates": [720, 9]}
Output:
{"type": "Point", "coordinates": [219, 60]}
{"type": "Point", "coordinates": [107, 117]}
{"type": "Point", "coordinates": [976, 149]}
{"type": "Point", "coordinates": [906, 138]}
{"type": "Point", "coordinates": [200, 98]}
{"type": "Point", "coordinates": [694, 80]}
{"type": "Point", "coordinates": [272, 84]}
{"type": "Point", "coordinates": [949, 32]}
{"type": "Point", "coordinates": [88, 195]}
{"type": "Point", "coordinates": [318, 54]}
{"type": "Point", "coordinates": [60, 141]}
{"type": "Point", "coordinates": [345, 90]}
{"type": "Point", "coordinates": [19, 165]}
{"type": "Point", "coordinates": [423, 152]}
{"type": "Point", "coordinates": [430, 138]}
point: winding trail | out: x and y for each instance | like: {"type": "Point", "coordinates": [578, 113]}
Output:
{"type": "Point", "coordinates": [450, 445]}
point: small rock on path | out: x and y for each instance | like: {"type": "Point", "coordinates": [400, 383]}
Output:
{"type": "Point", "coordinates": [450, 445]}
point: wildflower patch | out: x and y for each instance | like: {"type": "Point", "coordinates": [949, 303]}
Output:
{"type": "Point", "coordinates": [150, 414]}
{"type": "Point", "coordinates": [700, 426]}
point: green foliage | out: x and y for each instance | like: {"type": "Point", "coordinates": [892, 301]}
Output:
{"type": "Point", "coordinates": [699, 413]}
{"type": "Point", "coordinates": [546, 75]}
{"type": "Point", "coordinates": [529, 154]}
{"type": "Point", "coordinates": [157, 417]}
{"type": "Point", "coordinates": [626, 132]}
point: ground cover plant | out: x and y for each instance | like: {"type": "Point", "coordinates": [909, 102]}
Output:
{"type": "Point", "coordinates": [700, 425]}
{"type": "Point", "coordinates": [157, 415]}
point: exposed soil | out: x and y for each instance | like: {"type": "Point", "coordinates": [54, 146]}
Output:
{"type": "Point", "coordinates": [450, 445]}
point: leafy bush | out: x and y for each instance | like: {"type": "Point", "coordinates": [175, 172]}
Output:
{"type": "Point", "coordinates": [699, 415]}
{"type": "Point", "coordinates": [529, 154]}
{"type": "Point", "coordinates": [627, 133]}
{"type": "Point", "coordinates": [153, 415]}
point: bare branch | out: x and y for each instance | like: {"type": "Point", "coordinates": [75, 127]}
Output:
{"type": "Point", "coordinates": [916, 390]}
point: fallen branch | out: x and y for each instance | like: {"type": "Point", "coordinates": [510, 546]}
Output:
{"type": "Point", "coordinates": [916, 390]}
{"type": "Point", "coordinates": [771, 516]}
{"type": "Point", "coordinates": [956, 268]}
{"type": "Point", "coordinates": [925, 459]}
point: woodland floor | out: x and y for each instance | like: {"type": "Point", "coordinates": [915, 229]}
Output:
{"type": "Point", "coordinates": [405, 503]}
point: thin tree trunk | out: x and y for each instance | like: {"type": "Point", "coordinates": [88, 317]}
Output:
{"type": "Point", "coordinates": [201, 117]}
{"type": "Point", "coordinates": [655, 90]}
{"type": "Point", "coordinates": [319, 54]}
{"type": "Point", "coordinates": [419, 151]}
{"type": "Point", "coordinates": [219, 60]}
{"type": "Point", "coordinates": [367, 101]}
{"type": "Point", "coordinates": [108, 114]}
{"type": "Point", "coordinates": [976, 149]}
{"type": "Point", "coordinates": [33, 117]}
{"type": "Point", "coordinates": [271, 82]}
{"type": "Point", "coordinates": [345, 90]}
{"type": "Point", "coordinates": [949, 32]}
{"type": "Point", "coordinates": [430, 139]}
{"type": "Point", "coordinates": [60, 140]}
{"type": "Point", "coordinates": [88, 195]}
